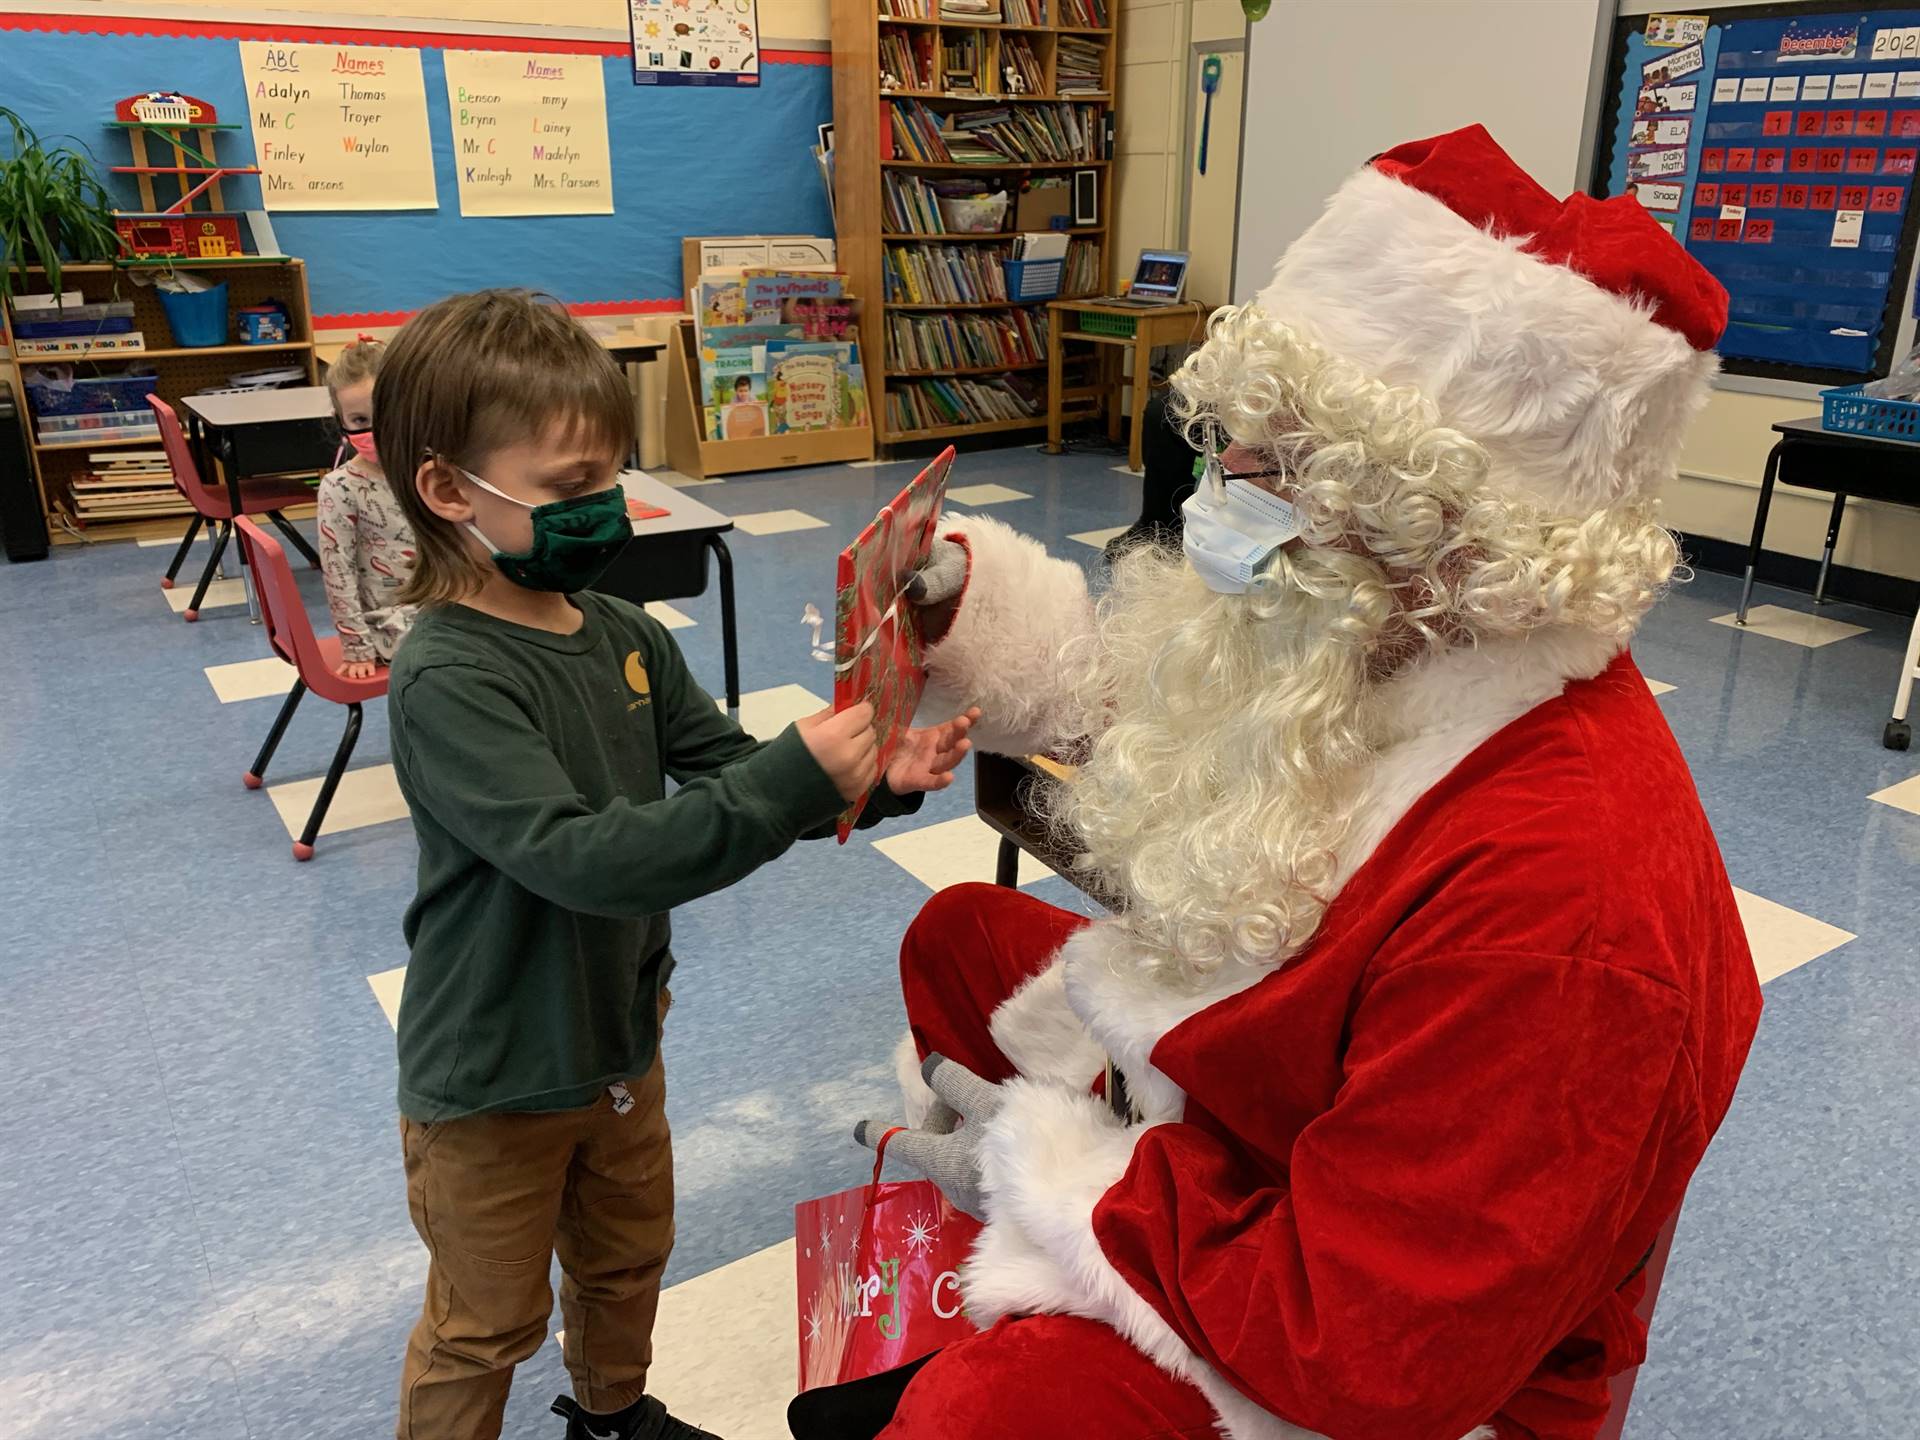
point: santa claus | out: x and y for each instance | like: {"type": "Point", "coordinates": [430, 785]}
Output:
{"type": "Point", "coordinates": [1425, 987]}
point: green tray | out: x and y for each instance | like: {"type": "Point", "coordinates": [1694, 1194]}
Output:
{"type": "Point", "coordinates": [1120, 325]}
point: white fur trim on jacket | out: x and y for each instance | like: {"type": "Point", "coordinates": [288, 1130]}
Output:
{"type": "Point", "coordinates": [1579, 397]}
{"type": "Point", "coordinates": [1020, 609]}
{"type": "Point", "coordinates": [1037, 1030]}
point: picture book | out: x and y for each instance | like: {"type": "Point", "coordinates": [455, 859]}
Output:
{"type": "Point", "coordinates": [879, 652]}
{"type": "Point", "coordinates": [735, 384]}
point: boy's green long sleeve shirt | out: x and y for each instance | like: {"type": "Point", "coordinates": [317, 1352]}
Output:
{"type": "Point", "coordinates": [535, 766]}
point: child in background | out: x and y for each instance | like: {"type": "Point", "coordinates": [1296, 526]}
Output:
{"type": "Point", "coordinates": [366, 546]}
{"type": "Point", "coordinates": [534, 727]}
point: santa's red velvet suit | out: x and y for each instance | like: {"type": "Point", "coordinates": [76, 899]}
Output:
{"type": "Point", "coordinates": [1396, 1187]}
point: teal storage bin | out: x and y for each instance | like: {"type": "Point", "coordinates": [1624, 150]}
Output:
{"type": "Point", "coordinates": [198, 319]}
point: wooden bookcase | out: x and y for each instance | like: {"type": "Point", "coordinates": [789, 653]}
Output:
{"type": "Point", "coordinates": [863, 130]}
{"type": "Point", "coordinates": [179, 370]}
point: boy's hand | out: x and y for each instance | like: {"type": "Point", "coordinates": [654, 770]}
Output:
{"type": "Point", "coordinates": [843, 745]}
{"type": "Point", "coordinates": [926, 758]}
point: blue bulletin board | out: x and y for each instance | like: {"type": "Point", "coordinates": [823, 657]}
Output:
{"type": "Point", "coordinates": [1779, 145]}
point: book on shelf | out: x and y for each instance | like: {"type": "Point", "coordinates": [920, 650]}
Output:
{"type": "Point", "coordinates": [1079, 66]}
{"type": "Point", "coordinates": [978, 12]}
{"type": "Point", "coordinates": [1082, 274]}
{"type": "Point", "coordinates": [1021, 12]}
{"type": "Point", "coordinates": [908, 56]}
{"type": "Point", "coordinates": [1088, 14]}
{"type": "Point", "coordinates": [965, 342]}
{"type": "Point", "coordinates": [906, 9]}
{"type": "Point", "coordinates": [778, 352]}
{"type": "Point", "coordinates": [945, 274]}
{"type": "Point", "coordinates": [936, 404]}
{"type": "Point", "coordinates": [964, 65]}
{"type": "Point", "coordinates": [1018, 59]}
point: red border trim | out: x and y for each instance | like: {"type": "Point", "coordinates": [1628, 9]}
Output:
{"type": "Point", "coordinates": [343, 35]}
{"type": "Point", "coordinates": [362, 319]}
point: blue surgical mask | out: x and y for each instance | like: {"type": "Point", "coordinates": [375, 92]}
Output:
{"type": "Point", "coordinates": [1233, 528]}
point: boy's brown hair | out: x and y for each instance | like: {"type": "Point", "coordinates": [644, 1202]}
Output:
{"type": "Point", "coordinates": [469, 375]}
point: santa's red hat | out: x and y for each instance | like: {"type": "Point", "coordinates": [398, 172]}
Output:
{"type": "Point", "coordinates": [1571, 338]}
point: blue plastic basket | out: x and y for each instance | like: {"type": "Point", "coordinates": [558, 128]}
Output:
{"type": "Point", "coordinates": [1030, 280]}
{"type": "Point", "coordinates": [197, 319]}
{"type": "Point", "coordinates": [1852, 413]}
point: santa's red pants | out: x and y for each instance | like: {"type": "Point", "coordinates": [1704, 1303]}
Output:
{"type": "Point", "coordinates": [1046, 1375]}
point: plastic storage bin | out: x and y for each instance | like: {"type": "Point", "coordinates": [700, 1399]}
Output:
{"type": "Point", "coordinates": [974, 214]}
{"type": "Point", "coordinates": [1032, 280]}
{"type": "Point", "coordinates": [1851, 413]}
{"type": "Point", "coordinates": [1121, 326]}
{"type": "Point", "coordinates": [197, 319]}
{"type": "Point", "coordinates": [54, 394]}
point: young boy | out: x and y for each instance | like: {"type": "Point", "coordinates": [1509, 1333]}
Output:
{"type": "Point", "coordinates": [534, 724]}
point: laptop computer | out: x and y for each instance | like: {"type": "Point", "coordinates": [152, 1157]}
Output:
{"type": "Point", "coordinates": [1159, 278]}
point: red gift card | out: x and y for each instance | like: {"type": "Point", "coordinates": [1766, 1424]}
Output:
{"type": "Point", "coordinates": [1870, 122]}
{"type": "Point", "coordinates": [1712, 159]}
{"type": "Point", "coordinates": [1898, 162]}
{"type": "Point", "coordinates": [1809, 122]}
{"type": "Point", "coordinates": [1733, 194]}
{"type": "Point", "coordinates": [1759, 232]}
{"type": "Point", "coordinates": [1706, 193]}
{"type": "Point", "coordinates": [1765, 197]}
{"type": "Point", "coordinates": [1803, 161]}
{"type": "Point", "coordinates": [1839, 122]}
{"type": "Point", "coordinates": [1862, 161]}
{"type": "Point", "coordinates": [1823, 197]}
{"type": "Point", "coordinates": [1777, 122]}
{"type": "Point", "coordinates": [879, 653]}
{"type": "Point", "coordinates": [1833, 160]}
{"type": "Point", "coordinates": [1793, 197]}
{"type": "Point", "coordinates": [1702, 228]}
{"type": "Point", "coordinates": [1886, 199]}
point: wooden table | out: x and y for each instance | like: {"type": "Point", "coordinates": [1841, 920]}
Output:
{"type": "Point", "coordinates": [1153, 326]}
{"type": "Point", "coordinates": [668, 561]}
{"type": "Point", "coordinates": [259, 432]}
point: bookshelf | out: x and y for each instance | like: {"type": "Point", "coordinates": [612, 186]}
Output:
{"type": "Point", "coordinates": [67, 473]}
{"type": "Point", "coordinates": [923, 107]}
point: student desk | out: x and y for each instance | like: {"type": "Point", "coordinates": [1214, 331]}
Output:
{"type": "Point", "coordinates": [259, 432]}
{"type": "Point", "coordinates": [667, 560]}
{"type": "Point", "coordinates": [1810, 457]}
{"type": "Point", "coordinates": [1144, 328]}
{"type": "Point", "coordinates": [1003, 797]}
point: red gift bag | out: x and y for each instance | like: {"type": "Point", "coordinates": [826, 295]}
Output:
{"type": "Point", "coordinates": [878, 1270]}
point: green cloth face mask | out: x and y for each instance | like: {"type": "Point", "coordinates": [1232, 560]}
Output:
{"type": "Point", "coordinates": [574, 540]}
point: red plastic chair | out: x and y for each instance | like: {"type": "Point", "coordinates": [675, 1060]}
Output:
{"type": "Point", "coordinates": [211, 506]}
{"type": "Point", "coordinates": [1622, 1384]}
{"type": "Point", "coordinates": [318, 662]}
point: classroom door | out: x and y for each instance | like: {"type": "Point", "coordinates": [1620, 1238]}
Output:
{"type": "Point", "coordinates": [1212, 216]}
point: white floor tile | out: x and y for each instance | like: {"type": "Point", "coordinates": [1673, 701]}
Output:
{"type": "Point", "coordinates": [1660, 687]}
{"type": "Point", "coordinates": [985, 494]}
{"type": "Point", "coordinates": [365, 797]}
{"type": "Point", "coordinates": [765, 713]}
{"type": "Point", "coordinates": [1098, 538]}
{"type": "Point", "coordinates": [1125, 470]}
{"type": "Point", "coordinates": [1782, 939]}
{"type": "Point", "coordinates": [1904, 796]}
{"type": "Point", "coordinates": [744, 1312]}
{"type": "Point", "coordinates": [668, 616]}
{"type": "Point", "coordinates": [232, 591]}
{"type": "Point", "coordinates": [951, 853]}
{"type": "Point", "coordinates": [1796, 627]}
{"type": "Point", "coordinates": [875, 464]}
{"type": "Point", "coordinates": [386, 989]}
{"type": "Point", "coordinates": [169, 542]}
{"type": "Point", "coordinates": [684, 482]}
{"type": "Point", "coordinates": [250, 679]}
{"type": "Point", "coordinates": [777, 522]}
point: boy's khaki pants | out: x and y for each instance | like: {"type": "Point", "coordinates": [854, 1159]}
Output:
{"type": "Point", "coordinates": [494, 1196]}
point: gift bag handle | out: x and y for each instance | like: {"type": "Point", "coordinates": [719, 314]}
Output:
{"type": "Point", "coordinates": [880, 1151]}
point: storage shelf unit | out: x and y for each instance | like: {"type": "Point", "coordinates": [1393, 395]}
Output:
{"type": "Point", "coordinates": [178, 371]}
{"type": "Point", "coordinates": [863, 136]}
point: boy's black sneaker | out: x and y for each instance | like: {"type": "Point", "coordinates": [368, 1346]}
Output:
{"type": "Point", "coordinates": [645, 1419]}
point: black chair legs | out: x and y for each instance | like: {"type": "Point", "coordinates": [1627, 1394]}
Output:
{"type": "Point", "coordinates": [192, 612]}
{"type": "Point", "coordinates": [299, 540]}
{"type": "Point", "coordinates": [258, 773]}
{"type": "Point", "coordinates": [180, 555]}
{"type": "Point", "coordinates": [303, 847]}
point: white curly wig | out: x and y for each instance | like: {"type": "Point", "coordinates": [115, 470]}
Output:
{"type": "Point", "coordinates": [1233, 734]}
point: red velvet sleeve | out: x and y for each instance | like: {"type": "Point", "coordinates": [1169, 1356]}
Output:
{"type": "Point", "coordinates": [1454, 1214]}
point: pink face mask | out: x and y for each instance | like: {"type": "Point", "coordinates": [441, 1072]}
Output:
{"type": "Point", "coordinates": [362, 443]}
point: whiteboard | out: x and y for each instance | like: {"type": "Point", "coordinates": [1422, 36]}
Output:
{"type": "Point", "coordinates": [1332, 84]}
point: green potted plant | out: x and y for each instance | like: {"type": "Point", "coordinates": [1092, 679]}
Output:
{"type": "Point", "coordinates": [51, 199]}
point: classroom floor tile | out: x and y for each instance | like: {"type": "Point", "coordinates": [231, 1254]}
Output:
{"type": "Point", "coordinates": [1098, 538]}
{"type": "Point", "coordinates": [985, 494]}
{"type": "Point", "coordinates": [231, 591]}
{"type": "Point", "coordinates": [1125, 470]}
{"type": "Point", "coordinates": [777, 522]}
{"type": "Point", "coordinates": [951, 853]}
{"type": "Point", "coordinates": [876, 464]}
{"type": "Point", "coordinates": [765, 713]}
{"type": "Point", "coordinates": [668, 616]}
{"type": "Point", "coordinates": [365, 797]}
{"type": "Point", "coordinates": [168, 542]}
{"type": "Point", "coordinates": [1659, 687]}
{"type": "Point", "coordinates": [250, 679]}
{"type": "Point", "coordinates": [386, 989]}
{"type": "Point", "coordinates": [1783, 939]}
{"type": "Point", "coordinates": [1796, 627]}
{"type": "Point", "coordinates": [1903, 796]}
